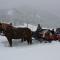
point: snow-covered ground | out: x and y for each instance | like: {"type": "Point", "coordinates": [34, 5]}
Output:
{"type": "Point", "coordinates": [23, 51]}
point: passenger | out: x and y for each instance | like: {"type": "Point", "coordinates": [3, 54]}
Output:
{"type": "Point", "coordinates": [38, 28]}
{"type": "Point", "coordinates": [53, 32]}
{"type": "Point", "coordinates": [10, 23]}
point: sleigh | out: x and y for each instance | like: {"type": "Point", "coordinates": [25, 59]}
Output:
{"type": "Point", "coordinates": [46, 35]}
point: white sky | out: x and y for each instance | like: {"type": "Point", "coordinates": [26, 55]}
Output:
{"type": "Point", "coordinates": [43, 3]}
{"type": "Point", "coordinates": [50, 5]}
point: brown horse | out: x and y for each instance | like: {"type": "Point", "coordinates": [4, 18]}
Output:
{"type": "Point", "coordinates": [16, 33]}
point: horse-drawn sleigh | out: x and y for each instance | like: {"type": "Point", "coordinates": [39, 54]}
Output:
{"type": "Point", "coordinates": [46, 34]}
{"type": "Point", "coordinates": [25, 34]}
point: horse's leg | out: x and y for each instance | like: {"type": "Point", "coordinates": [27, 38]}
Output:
{"type": "Point", "coordinates": [49, 41]}
{"type": "Point", "coordinates": [10, 42]}
{"type": "Point", "coordinates": [30, 41]}
{"type": "Point", "coordinates": [22, 39]}
{"type": "Point", "coordinates": [41, 40]}
{"type": "Point", "coordinates": [27, 41]}
{"type": "Point", "coordinates": [59, 40]}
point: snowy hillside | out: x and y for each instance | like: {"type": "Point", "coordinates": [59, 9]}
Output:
{"type": "Point", "coordinates": [23, 51]}
{"type": "Point", "coordinates": [29, 15]}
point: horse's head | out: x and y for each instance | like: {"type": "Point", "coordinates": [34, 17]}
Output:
{"type": "Point", "coordinates": [4, 27]}
{"type": "Point", "coordinates": [1, 29]}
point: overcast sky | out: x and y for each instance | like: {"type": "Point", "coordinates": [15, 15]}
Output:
{"type": "Point", "coordinates": [50, 5]}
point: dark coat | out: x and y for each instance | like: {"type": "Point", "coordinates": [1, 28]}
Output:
{"type": "Point", "coordinates": [18, 33]}
{"type": "Point", "coordinates": [58, 30]}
